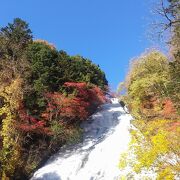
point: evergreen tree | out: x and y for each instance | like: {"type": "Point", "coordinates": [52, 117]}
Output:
{"type": "Point", "coordinates": [14, 38]}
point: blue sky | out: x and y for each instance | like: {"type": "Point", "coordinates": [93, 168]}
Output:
{"type": "Point", "coordinates": [109, 32]}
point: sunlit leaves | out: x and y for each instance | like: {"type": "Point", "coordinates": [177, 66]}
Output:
{"type": "Point", "coordinates": [44, 95]}
{"type": "Point", "coordinates": [147, 86]}
{"type": "Point", "coordinates": [10, 150]}
{"type": "Point", "coordinates": [77, 105]}
{"type": "Point", "coordinates": [155, 147]}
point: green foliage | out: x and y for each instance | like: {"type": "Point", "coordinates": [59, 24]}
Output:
{"type": "Point", "coordinates": [14, 38]}
{"type": "Point", "coordinates": [29, 70]}
{"type": "Point", "coordinates": [148, 77]}
{"type": "Point", "coordinates": [50, 69]}
{"type": "Point", "coordinates": [57, 129]}
{"type": "Point", "coordinates": [87, 72]}
{"type": "Point", "coordinates": [62, 133]}
{"type": "Point", "coordinates": [74, 135]}
{"type": "Point", "coordinates": [79, 69]}
{"type": "Point", "coordinates": [43, 75]}
{"type": "Point", "coordinates": [174, 84]}
{"type": "Point", "coordinates": [43, 61]}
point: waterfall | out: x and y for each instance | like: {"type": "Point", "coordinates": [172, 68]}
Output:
{"type": "Point", "coordinates": [106, 136]}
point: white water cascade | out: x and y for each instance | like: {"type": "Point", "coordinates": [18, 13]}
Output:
{"type": "Point", "coordinates": [106, 136]}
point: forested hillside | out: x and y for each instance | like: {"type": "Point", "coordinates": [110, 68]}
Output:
{"type": "Point", "coordinates": [44, 95]}
{"type": "Point", "coordinates": [153, 97]}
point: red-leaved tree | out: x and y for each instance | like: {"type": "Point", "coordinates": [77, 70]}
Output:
{"type": "Point", "coordinates": [91, 94]}
{"type": "Point", "coordinates": [81, 100]}
{"type": "Point", "coordinates": [74, 106]}
{"type": "Point", "coordinates": [66, 109]}
{"type": "Point", "coordinates": [28, 123]}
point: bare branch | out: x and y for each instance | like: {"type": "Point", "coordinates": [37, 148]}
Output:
{"type": "Point", "coordinates": [165, 12]}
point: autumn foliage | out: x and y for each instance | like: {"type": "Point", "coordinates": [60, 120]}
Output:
{"type": "Point", "coordinates": [169, 110]}
{"type": "Point", "coordinates": [62, 108]}
{"type": "Point", "coordinates": [91, 94]}
{"type": "Point", "coordinates": [152, 93]}
{"type": "Point", "coordinates": [73, 107]}
{"type": "Point", "coordinates": [29, 123]}
{"type": "Point", "coordinates": [76, 106]}
{"type": "Point", "coordinates": [44, 96]}
{"type": "Point", "coordinates": [149, 98]}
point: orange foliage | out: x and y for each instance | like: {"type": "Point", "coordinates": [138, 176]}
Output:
{"type": "Point", "coordinates": [72, 108]}
{"type": "Point", "coordinates": [64, 108]}
{"type": "Point", "coordinates": [93, 95]}
{"type": "Point", "coordinates": [46, 43]}
{"type": "Point", "coordinates": [155, 107]}
{"type": "Point", "coordinates": [173, 126]}
{"type": "Point", "coordinates": [168, 109]}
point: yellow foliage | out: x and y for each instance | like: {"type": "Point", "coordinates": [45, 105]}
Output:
{"type": "Point", "coordinates": [123, 162]}
{"type": "Point", "coordinates": [4, 177]}
{"type": "Point", "coordinates": [123, 178]}
{"type": "Point", "coordinates": [12, 93]}
{"type": "Point", "coordinates": [147, 78]}
{"type": "Point", "coordinates": [160, 143]}
{"type": "Point", "coordinates": [166, 174]}
{"type": "Point", "coordinates": [154, 145]}
{"type": "Point", "coordinates": [10, 151]}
